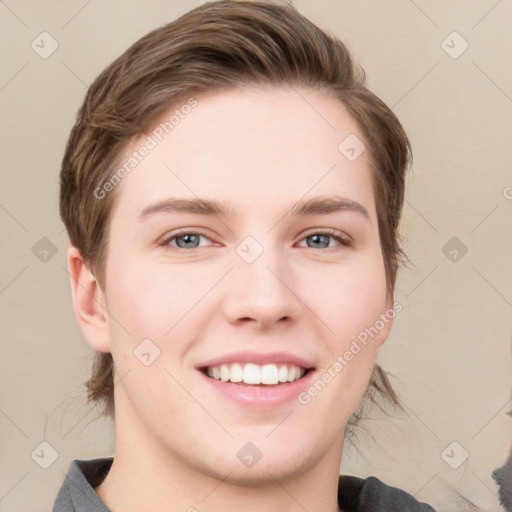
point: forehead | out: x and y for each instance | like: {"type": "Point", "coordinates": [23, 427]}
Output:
{"type": "Point", "coordinates": [249, 147]}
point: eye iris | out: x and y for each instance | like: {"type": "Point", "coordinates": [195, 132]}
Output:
{"type": "Point", "coordinates": [317, 237]}
{"type": "Point", "coordinates": [187, 237]}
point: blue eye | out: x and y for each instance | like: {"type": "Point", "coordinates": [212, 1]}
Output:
{"type": "Point", "coordinates": [322, 238]}
{"type": "Point", "coordinates": [189, 241]}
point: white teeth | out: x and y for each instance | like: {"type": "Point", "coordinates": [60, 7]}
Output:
{"type": "Point", "coordinates": [237, 373]}
{"type": "Point", "coordinates": [224, 373]}
{"type": "Point", "coordinates": [252, 374]}
{"type": "Point", "coordinates": [268, 374]}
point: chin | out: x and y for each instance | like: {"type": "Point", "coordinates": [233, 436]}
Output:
{"type": "Point", "coordinates": [265, 473]}
{"type": "Point", "coordinates": [241, 463]}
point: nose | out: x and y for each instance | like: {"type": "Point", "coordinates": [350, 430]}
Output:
{"type": "Point", "coordinates": [263, 292]}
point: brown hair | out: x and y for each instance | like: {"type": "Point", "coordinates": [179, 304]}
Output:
{"type": "Point", "coordinates": [219, 45]}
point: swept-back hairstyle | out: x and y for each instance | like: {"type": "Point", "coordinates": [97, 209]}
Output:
{"type": "Point", "coordinates": [217, 46]}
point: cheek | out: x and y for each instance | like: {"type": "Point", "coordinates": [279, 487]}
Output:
{"type": "Point", "coordinates": [161, 302]}
{"type": "Point", "coordinates": [356, 316]}
{"type": "Point", "coordinates": [151, 303]}
{"type": "Point", "coordinates": [350, 299]}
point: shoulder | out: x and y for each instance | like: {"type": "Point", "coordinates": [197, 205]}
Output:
{"type": "Point", "coordinates": [372, 495]}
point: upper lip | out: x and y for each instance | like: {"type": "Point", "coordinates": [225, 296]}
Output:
{"type": "Point", "coordinates": [257, 358]}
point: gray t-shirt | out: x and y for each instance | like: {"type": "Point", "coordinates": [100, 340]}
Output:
{"type": "Point", "coordinates": [77, 493]}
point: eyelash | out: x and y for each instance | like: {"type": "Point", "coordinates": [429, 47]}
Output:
{"type": "Point", "coordinates": [327, 232]}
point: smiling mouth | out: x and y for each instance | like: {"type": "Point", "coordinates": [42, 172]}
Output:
{"type": "Point", "coordinates": [256, 375]}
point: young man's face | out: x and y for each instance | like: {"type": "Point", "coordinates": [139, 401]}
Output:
{"type": "Point", "coordinates": [261, 286]}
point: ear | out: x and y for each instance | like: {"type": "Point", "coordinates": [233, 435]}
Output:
{"type": "Point", "coordinates": [89, 303]}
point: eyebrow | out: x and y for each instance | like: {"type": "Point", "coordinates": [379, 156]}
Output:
{"type": "Point", "coordinates": [321, 205]}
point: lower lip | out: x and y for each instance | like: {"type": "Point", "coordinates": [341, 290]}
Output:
{"type": "Point", "coordinates": [261, 396]}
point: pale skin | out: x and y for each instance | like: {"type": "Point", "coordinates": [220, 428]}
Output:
{"type": "Point", "coordinates": [177, 437]}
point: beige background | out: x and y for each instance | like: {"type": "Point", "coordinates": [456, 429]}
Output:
{"type": "Point", "coordinates": [450, 346]}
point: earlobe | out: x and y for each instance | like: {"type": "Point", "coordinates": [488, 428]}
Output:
{"type": "Point", "coordinates": [89, 303]}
